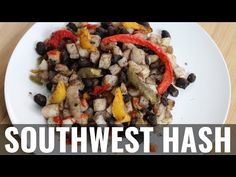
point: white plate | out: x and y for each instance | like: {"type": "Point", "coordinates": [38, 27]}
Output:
{"type": "Point", "coordinates": [204, 102]}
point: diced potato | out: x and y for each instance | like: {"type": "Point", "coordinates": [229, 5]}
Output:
{"type": "Point", "coordinates": [135, 67]}
{"type": "Point", "coordinates": [100, 120]}
{"type": "Point", "coordinates": [145, 72]}
{"type": "Point", "coordinates": [61, 68]}
{"type": "Point", "coordinates": [133, 92]}
{"type": "Point", "coordinates": [71, 48]}
{"type": "Point", "coordinates": [153, 87]}
{"type": "Point", "coordinates": [51, 110]}
{"type": "Point", "coordinates": [108, 47]}
{"type": "Point", "coordinates": [155, 38]}
{"type": "Point", "coordinates": [59, 77]}
{"type": "Point", "coordinates": [43, 65]}
{"type": "Point", "coordinates": [138, 56]}
{"type": "Point", "coordinates": [83, 52]}
{"type": "Point", "coordinates": [150, 80]}
{"type": "Point", "coordinates": [94, 56]}
{"type": "Point", "coordinates": [66, 113]}
{"type": "Point", "coordinates": [123, 88]}
{"type": "Point", "coordinates": [117, 51]}
{"type": "Point", "coordinates": [152, 58]}
{"type": "Point", "coordinates": [110, 79]}
{"type": "Point", "coordinates": [114, 69]}
{"type": "Point", "coordinates": [54, 55]}
{"type": "Point", "coordinates": [126, 53]}
{"type": "Point", "coordinates": [95, 40]}
{"type": "Point", "coordinates": [123, 62]}
{"type": "Point", "coordinates": [129, 106]}
{"type": "Point", "coordinates": [68, 122]}
{"type": "Point", "coordinates": [128, 46]}
{"type": "Point", "coordinates": [74, 56]}
{"type": "Point", "coordinates": [166, 41]}
{"type": "Point", "coordinates": [105, 61]}
{"type": "Point", "coordinates": [99, 104]}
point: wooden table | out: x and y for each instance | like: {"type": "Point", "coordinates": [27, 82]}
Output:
{"type": "Point", "coordinates": [223, 33]}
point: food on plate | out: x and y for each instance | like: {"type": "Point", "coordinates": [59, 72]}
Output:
{"type": "Point", "coordinates": [112, 73]}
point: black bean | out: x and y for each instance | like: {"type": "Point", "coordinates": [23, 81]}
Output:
{"type": "Point", "coordinates": [161, 68]}
{"type": "Point", "coordinates": [125, 69]}
{"type": "Point", "coordinates": [90, 102]}
{"type": "Point", "coordinates": [64, 58]}
{"type": "Point", "coordinates": [96, 82]}
{"type": "Point", "coordinates": [165, 34]}
{"type": "Point", "coordinates": [173, 91]}
{"type": "Point", "coordinates": [122, 77]}
{"type": "Point", "coordinates": [73, 66]}
{"type": "Point", "coordinates": [115, 58]}
{"type": "Point", "coordinates": [88, 83]}
{"type": "Point", "coordinates": [181, 83]}
{"type": "Point", "coordinates": [71, 26]}
{"type": "Point", "coordinates": [191, 78]}
{"type": "Point", "coordinates": [51, 65]}
{"type": "Point", "coordinates": [49, 86]}
{"type": "Point", "coordinates": [154, 65]}
{"type": "Point", "coordinates": [126, 98]}
{"type": "Point", "coordinates": [150, 52]}
{"type": "Point", "coordinates": [122, 31]}
{"type": "Point", "coordinates": [111, 30]}
{"type": "Point", "coordinates": [41, 48]}
{"type": "Point", "coordinates": [143, 110]}
{"type": "Point", "coordinates": [151, 118]}
{"type": "Point", "coordinates": [105, 25]}
{"type": "Point", "coordinates": [105, 72]}
{"type": "Point", "coordinates": [40, 99]}
{"type": "Point", "coordinates": [147, 50]}
{"type": "Point", "coordinates": [150, 107]}
{"type": "Point", "coordinates": [164, 101]}
{"type": "Point", "coordinates": [101, 32]}
{"type": "Point", "coordinates": [120, 44]}
{"type": "Point", "coordinates": [144, 24]}
{"type": "Point", "coordinates": [83, 62]}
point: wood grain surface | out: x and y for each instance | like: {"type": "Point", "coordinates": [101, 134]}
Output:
{"type": "Point", "coordinates": [224, 35]}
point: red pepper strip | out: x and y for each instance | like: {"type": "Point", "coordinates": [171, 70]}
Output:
{"type": "Point", "coordinates": [128, 38]}
{"type": "Point", "coordinates": [57, 37]}
{"type": "Point", "coordinates": [99, 89]}
{"type": "Point", "coordinates": [91, 26]}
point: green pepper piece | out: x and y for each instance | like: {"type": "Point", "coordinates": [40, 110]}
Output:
{"type": "Point", "coordinates": [143, 88]}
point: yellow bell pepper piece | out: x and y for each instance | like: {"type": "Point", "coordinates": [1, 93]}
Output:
{"type": "Point", "coordinates": [136, 26]}
{"type": "Point", "coordinates": [118, 108]}
{"type": "Point", "coordinates": [85, 40]}
{"type": "Point", "coordinates": [59, 94]}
